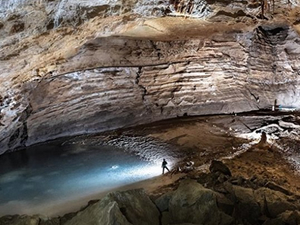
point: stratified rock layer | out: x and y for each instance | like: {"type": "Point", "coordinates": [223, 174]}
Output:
{"type": "Point", "coordinates": [106, 69]}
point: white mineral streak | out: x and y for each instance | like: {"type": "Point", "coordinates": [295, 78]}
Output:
{"type": "Point", "coordinates": [64, 9]}
{"type": "Point", "coordinates": [9, 6]}
{"type": "Point", "coordinates": [60, 12]}
{"type": "Point", "coordinates": [200, 9]}
{"type": "Point", "coordinates": [290, 99]}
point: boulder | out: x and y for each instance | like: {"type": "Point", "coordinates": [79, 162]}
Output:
{"type": "Point", "coordinates": [132, 207]}
{"type": "Point", "coordinates": [274, 222]}
{"type": "Point", "coordinates": [286, 218]}
{"type": "Point", "coordinates": [53, 221]}
{"type": "Point", "coordinates": [290, 217]}
{"type": "Point", "coordinates": [276, 187]}
{"type": "Point", "coordinates": [218, 166]}
{"type": "Point", "coordinates": [192, 203]}
{"type": "Point", "coordinates": [165, 218]}
{"type": "Point", "coordinates": [273, 202]}
{"type": "Point", "coordinates": [67, 217]}
{"type": "Point", "coordinates": [162, 202]}
{"type": "Point", "coordinates": [186, 224]}
{"type": "Point", "coordinates": [19, 220]}
{"type": "Point", "coordinates": [103, 212]}
{"type": "Point", "coordinates": [246, 209]}
{"type": "Point", "coordinates": [224, 204]}
{"type": "Point", "coordinates": [136, 206]}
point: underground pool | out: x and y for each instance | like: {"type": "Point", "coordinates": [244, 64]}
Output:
{"type": "Point", "coordinates": [42, 179]}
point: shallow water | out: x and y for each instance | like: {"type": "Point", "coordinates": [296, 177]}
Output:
{"type": "Point", "coordinates": [43, 177]}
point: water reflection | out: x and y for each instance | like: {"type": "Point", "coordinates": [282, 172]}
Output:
{"type": "Point", "coordinates": [14, 160]}
{"type": "Point", "coordinates": [43, 176]}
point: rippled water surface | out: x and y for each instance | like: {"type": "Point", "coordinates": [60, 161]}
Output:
{"type": "Point", "coordinates": [41, 178]}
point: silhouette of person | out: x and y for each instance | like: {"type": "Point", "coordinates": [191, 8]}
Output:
{"type": "Point", "coordinates": [164, 166]}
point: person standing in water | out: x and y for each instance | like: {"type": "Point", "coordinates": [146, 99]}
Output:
{"type": "Point", "coordinates": [164, 166]}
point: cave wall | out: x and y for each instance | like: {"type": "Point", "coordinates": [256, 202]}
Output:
{"type": "Point", "coordinates": [73, 68]}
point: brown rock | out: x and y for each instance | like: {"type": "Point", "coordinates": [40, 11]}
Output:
{"type": "Point", "coordinates": [67, 217]}
{"type": "Point", "coordinates": [128, 207]}
{"type": "Point", "coordinates": [274, 203]}
{"type": "Point", "coordinates": [17, 27]}
{"type": "Point", "coordinates": [276, 187]}
{"type": "Point", "coordinates": [53, 221]}
{"type": "Point", "coordinates": [246, 207]}
{"type": "Point", "coordinates": [218, 166]}
{"type": "Point", "coordinates": [19, 220]}
{"type": "Point", "coordinates": [192, 203]}
{"type": "Point", "coordinates": [290, 217]}
{"type": "Point", "coordinates": [162, 202]}
{"type": "Point", "coordinates": [286, 218]}
{"type": "Point", "coordinates": [263, 140]}
{"type": "Point", "coordinates": [99, 214]}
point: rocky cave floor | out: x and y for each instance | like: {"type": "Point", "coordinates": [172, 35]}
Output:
{"type": "Point", "coordinates": [235, 176]}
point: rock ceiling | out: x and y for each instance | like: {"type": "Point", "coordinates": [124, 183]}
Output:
{"type": "Point", "coordinates": [74, 67]}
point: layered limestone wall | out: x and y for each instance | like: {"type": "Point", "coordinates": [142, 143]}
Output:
{"type": "Point", "coordinates": [65, 73]}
